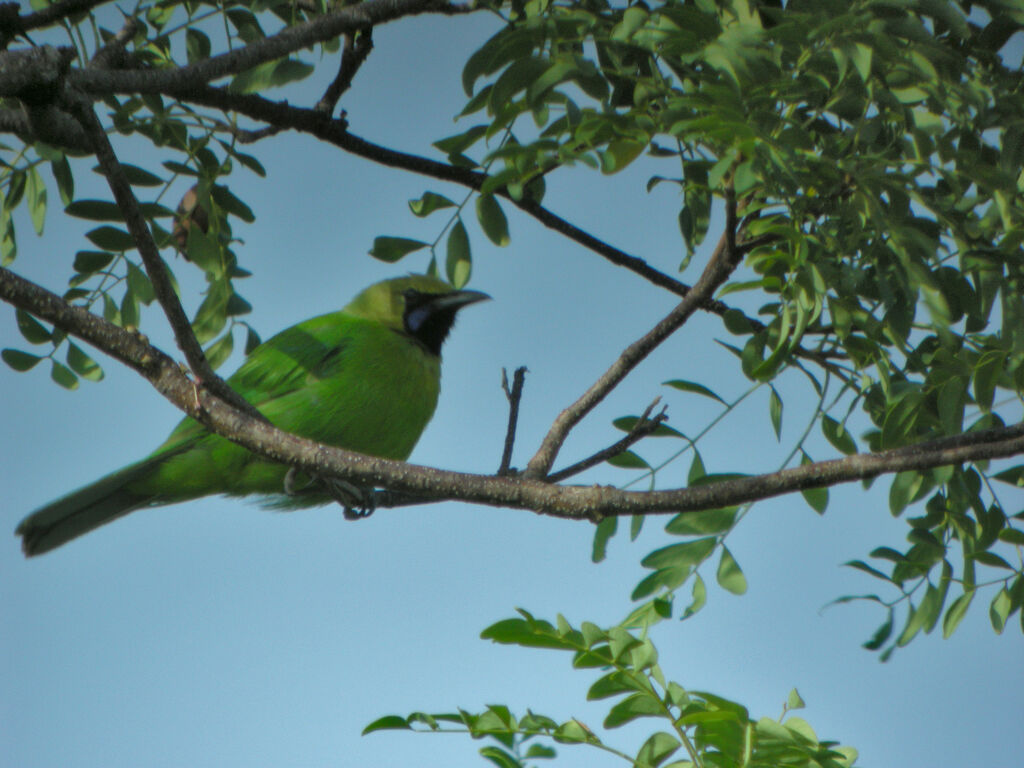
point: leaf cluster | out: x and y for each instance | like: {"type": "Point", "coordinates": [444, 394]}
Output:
{"type": "Point", "coordinates": [700, 728]}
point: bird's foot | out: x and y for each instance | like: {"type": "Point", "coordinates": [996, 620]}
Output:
{"type": "Point", "coordinates": [357, 502]}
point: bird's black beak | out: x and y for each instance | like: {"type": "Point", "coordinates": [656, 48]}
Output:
{"type": "Point", "coordinates": [456, 300]}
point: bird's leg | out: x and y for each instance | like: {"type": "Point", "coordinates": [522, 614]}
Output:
{"type": "Point", "coordinates": [290, 487]}
{"type": "Point", "coordinates": [356, 502]}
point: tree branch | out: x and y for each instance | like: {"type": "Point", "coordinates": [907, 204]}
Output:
{"type": "Point", "coordinates": [282, 115]}
{"type": "Point", "coordinates": [644, 426]}
{"type": "Point", "coordinates": [514, 395]}
{"type": "Point", "coordinates": [12, 25]}
{"type": "Point", "coordinates": [287, 41]}
{"type": "Point", "coordinates": [356, 49]}
{"type": "Point", "coordinates": [155, 267]}
{"type": "Point", "coordinates": [48, 124]}
{"type": "Point", "coordinates": [721, 264]}
{"type": "Point", "coordinates": [569, 502]}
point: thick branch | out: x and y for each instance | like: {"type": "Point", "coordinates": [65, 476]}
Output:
{"type": "Point", "coordinates": [11, 24]}
{"type": "Point", "coordinates": [48, 124]}
{"type": "Point", "coordinates": [155, 267]}
{"type": "Point", "coordinates": [285, 42]}
{"type": "Point", "coordinates": [722, 263]}
{"type": "Point", "coordinates": [572, 502]}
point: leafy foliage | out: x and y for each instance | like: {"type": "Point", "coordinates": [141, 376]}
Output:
{"type": "Point", "coordinates": [875, 152]}
{"type": "Point", "coordinates": [700, 727]}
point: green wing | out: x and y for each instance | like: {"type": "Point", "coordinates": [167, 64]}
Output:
{"type": "Point", "coordinates": [281, 365]}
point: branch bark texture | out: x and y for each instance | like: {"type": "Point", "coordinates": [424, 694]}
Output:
{"type": "Point", "coordinates": [570, 502]}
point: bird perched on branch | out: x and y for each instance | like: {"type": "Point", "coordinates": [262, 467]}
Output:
{"type": "Point", "coordinates": [366, 379]}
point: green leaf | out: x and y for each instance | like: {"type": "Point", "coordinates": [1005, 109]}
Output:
{"type": "Point", "coordinates": [836, 434]}
{"type": "Point", "coordinates": [18, 360]}
{"type": "Point", "coordinates": [616, 683]}
{"type": "Point", "coordinates": [499, 757]}
{"type": "Point", "coordinates": [87, 262]}
{"type": "Point", "coordinates": [628, 460]}
{"type": "Point", "coordinates": [816, 497]}
{"type": "Point", "coordinates": [658, 747]}
{"type": "Point", "coordinates": [627, 423]}
{"type": "Point", "coordinates": [729, 575]}
{"type": "Point", "coordinates": [140, 177]}
{"type": "Point", "coordinates": [691, 386]}
{"type": "Point", "coordinates": [61, 170]}
{"type": "Point", "coordinates": [110, 239]}
{"type": "Point", "coordinates": [685, 555]}
{"type": "Point", "coordinates": [1012, 536]}
{"type": "Point", "coordinates": [429, 203]}
{"type": "Point", "coordinates": [271, 74]}
{"type": "Point", "coordinates": [139, 283]}
{"type": "Point", "coordinates": [387, 723]}
{"type": "Point", "coordinates": [539, 751]}
{"type": "Point", "coordinates": [602, 533]}
{"type": "Point", "coordinates": [82, 364]}
{"type": "Point", "coordinates": [999, 610]}
{"type": "Point", "coordinates": [458, 264]}
{"type": "Point", "coordinates": [95, 210]}
{"type": "Point", "coordinates": [574, 732]}
{"type": "Point", "coordinates": [903, 490]}
{"type": "Point", "coordinates": [955, 613]}
{"type": "Point", "coordinates": [61, 374]}
{"type": "Point", "coordinates": [702, 522]}
{"type": "Point", "coordinates": [986, 374]}
{"type": "Point", "coordinates": [218, 352]}
{"type": "Point", "coordinates": [36, 195]}
{"type": "Point", "coordinates": [391, 249]}
{"type": "Point", "coordinates": [1013, 476]}
{"type": "Point", "coordinates": [197, 45]}
{"type": "Point", "coordinates": [129, 310]}
{"type": "Point", "coordinates": [31, 329]}
{"type": "Point", "coordinates": [529, 634]}
{"type": "Point", "coordinates": [227, 200]}
{"type": "Point", "coordinates": [632, 707]}
{"type": "Point", "coordinates": [699, 593]}
{"type": "Point", "coordinates": [492, 220]}
{"type": "Point", "coordinates": [775, 412]}
{"type": "Point", "coordinates": [881, 635]}
{"type": "Point", "coordinates": [619, 154]}
{"type": "Point", "coordinates": [794, 700]}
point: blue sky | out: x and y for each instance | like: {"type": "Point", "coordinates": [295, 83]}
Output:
{"type": "Point", "coordinates": [218, 634]}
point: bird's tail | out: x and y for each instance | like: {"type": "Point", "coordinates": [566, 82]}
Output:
{"type": "Point", "coordinates": [87, 508]}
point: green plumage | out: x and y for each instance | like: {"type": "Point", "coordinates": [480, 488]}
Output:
{"type": "Point", "coordinates": [366, 378]}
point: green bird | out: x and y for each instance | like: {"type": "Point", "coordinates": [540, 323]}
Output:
{"type": "Point", "coordinates": [366, 379]}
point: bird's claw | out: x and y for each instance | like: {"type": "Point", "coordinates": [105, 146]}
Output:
{"type": "Point", "coordinates": [357, 502]}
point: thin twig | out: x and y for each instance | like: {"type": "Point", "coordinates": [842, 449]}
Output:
{"type": "Point", "coordinates": [155, 267]}
{"type": "Point", "coordinates": [357, 47]}
{"type": "Point", "coordinates": [514, 395]}
{"type": "Point", "coordinates": [644, 426]}
{"type": "Point", "coordinates": [721, 264]}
